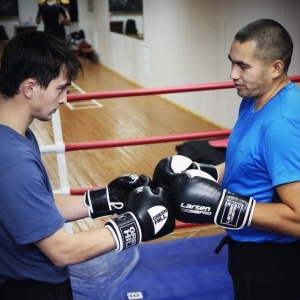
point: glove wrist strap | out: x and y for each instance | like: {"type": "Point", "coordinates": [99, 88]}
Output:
{"type": "Point", "coordinates": [98, 203]}
{"type": "Point", "coordinates": [125, 230]}
{"type": "Point", "coordinates": [235, 211]}
{"type": "Point", "coordinates": [117, 205]}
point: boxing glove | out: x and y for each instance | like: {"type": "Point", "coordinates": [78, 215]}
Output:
{"type": "Point", "coordinates": [200, 199]}
{"type": "Point", "coordinates": [168, 168]}
{"type": "Point", "coordinates": [149, 216]}
{"type": "Point", "coordinates": [110, 200]}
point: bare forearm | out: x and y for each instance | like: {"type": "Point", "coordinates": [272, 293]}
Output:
{"type": "Point", "coordinates": [71, 207]}
{"type": "Point", "coordinates": [282, 217]}
{"type": "Point", "coordinates": [65, 249]}
{"type": "Point", "coordinates": [277, 218]}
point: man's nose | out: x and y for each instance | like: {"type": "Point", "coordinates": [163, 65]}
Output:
{"type": "Point", "coordinates": [235, 72]}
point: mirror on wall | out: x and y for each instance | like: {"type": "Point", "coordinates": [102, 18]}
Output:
{"type": "Point", "coordinates": [9, 9]}
{"type": "Point", "coordinates": [126, 17]}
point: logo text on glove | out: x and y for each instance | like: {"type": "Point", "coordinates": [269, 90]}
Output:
{"type": "Point", "coordinates": [159, 215]}
{"type": "Point", "coordinates": [196, 209]}
{"type": "Point", "coordinates": [130, 237]}
{"type": "Point", "coordinates": [231, 213]}
{"type": "Point", "coordinates": [129, 231]}
{"type": "Point", "coordinates": [133, 177]}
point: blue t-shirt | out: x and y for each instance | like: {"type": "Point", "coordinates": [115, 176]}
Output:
{"type": "Point", "coordinates": [263, 152]}
{"type": "Point", "coordinates": [27, 210]}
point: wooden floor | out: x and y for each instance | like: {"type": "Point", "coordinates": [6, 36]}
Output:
{"type": "Point", "coordinates": [115, 119]}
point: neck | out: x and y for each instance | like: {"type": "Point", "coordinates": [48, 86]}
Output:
{"type": "Point", "coordinates": [14, 115]}
{"type": "Point", "coordinates": [261, 101]}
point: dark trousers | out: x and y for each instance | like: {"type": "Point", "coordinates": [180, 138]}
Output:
{"type": "Point", "coordinates": [265, 271]}
{"type": "Point", "coordinates": [34, 290]}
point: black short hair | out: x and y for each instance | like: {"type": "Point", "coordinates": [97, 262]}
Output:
{"type": "Point", "coordinates": [272, 41]}
{"type": "Point", "coordinates": [37, 55]}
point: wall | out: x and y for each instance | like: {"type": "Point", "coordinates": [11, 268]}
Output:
{"type": "Point", "coordinates": [27, 10]}
{"type": "Point", "coordinates": [185, 42]}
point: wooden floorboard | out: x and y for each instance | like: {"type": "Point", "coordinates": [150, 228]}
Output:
{"type": "Point", "coordinates": [118, 118]}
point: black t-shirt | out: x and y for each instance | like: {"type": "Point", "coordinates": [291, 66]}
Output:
{"type": "Point", "coordinates": [51, 15]}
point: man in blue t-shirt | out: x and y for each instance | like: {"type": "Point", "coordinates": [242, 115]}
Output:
{"type": "Point", "coordinates": [255, 194]}
{"type": "Point", "coordinates": [35, 249]}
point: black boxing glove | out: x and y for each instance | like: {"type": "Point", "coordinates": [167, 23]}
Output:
{"type": "Point", "coordinates": [149, 216]}
{"type": "Point", "coordinates": [200, 199]}
{"type": "Point", "coordinates": [168, 168]}
{"type": "Point", "coordinates": [110, 200]}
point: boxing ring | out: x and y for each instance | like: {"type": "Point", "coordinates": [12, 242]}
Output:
{"type": "Point", "coordinates": [146, 271]}
{"type": "Point", "coordinates": [60, 148]}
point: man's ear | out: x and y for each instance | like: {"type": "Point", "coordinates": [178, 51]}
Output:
{"type": "Point", "coordinates": [278, 67]}
{"type": "Point", "coordinates": [28, 86]}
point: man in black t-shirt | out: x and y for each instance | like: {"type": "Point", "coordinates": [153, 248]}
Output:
{"type": "Point", "coordinates": [55, 17]}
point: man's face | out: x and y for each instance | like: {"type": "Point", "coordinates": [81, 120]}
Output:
{"type": "Point", "coordinates": [47, 101]}
{"type": "Point", "coordinates": [251, 77]}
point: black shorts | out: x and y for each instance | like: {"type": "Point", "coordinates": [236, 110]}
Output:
{"type": "Point", "coordinates": [34, 290]}
{"type": "Point", "coordinates": [265, 271]}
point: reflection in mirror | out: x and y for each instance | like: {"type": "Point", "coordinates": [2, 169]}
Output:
{"type": "Point", "coordinates": [126, 17]}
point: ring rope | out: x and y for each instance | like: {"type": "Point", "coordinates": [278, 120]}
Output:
{"type": "Point", "coordinates": [60, 148]}
{"type": "Point", "coordinates": [157, 91]}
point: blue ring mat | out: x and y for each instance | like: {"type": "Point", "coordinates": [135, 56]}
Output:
{"type": "Point", "coordinates": [185, 269]}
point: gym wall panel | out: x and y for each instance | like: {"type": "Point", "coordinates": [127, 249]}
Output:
{"type": "Point", "coordinates": [188, 43]}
